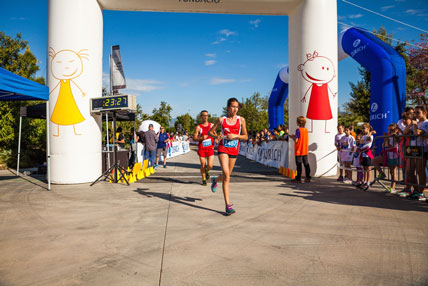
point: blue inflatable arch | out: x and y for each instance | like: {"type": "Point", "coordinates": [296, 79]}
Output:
{"type": "Point", "coordinates": [277, 99]}
{"type": "Point", "coordinates": [387, 83]}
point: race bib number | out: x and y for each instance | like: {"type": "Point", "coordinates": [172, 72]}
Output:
{"type": "Point", "coordinates": [206, 143]}
{"type": "Point", "coordinates": [230, 143]}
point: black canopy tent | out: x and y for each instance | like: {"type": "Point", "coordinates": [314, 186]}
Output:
{"type": "Point", "coordinates": [14, 88]}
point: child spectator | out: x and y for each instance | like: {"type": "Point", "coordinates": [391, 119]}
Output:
{"type": "Point", "coordinates": [301, 150]}
{"type": "Point", "coordinates": [347, 144]}
{"type": "Point", "coordinates": [421, 115]}
{"type": "Point", "coordinates": [411, 129]}
{"type": "Point", "coordinates": [337, 139]}
{"type": "Point", "coordinates": [400, 122]}
{"type": "Point", "coordinates": [356, 161]}
{"type": "Point", "coordinates": [390, 156]}
{"type": "Point", "coordinates": [280, 132]}
{"type": "Point", "coordinates": [366, 154]}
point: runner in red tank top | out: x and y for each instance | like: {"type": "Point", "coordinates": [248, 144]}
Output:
{"type": "Point", "coordinates": [206, 146]}
{"type": "Point", "coordinates": [233, 129]}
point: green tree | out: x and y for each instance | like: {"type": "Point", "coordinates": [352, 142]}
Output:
{"type": "Point", "coordinates": [255, 111]}
{"type": "Point", "coordinates": [187, 123]}
{"type": "Point", "coordinates": [162, 115]}
{"type": "Point", "coordinates": [417, 71]}
{"type": "Point", "coordinates": [359, 103]}
{"type": "Point", "coordinates": [16, 56]}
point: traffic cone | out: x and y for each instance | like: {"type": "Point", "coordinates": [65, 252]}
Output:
{"type": "Point", "coordinates": [281, 169]}
{"type": "Point", "coordinates": [152, 170]}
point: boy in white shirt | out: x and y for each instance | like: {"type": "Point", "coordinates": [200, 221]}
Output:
{"type": "Point", "coordinates": [337, 139]}
{"type": "Point", "coordinates": [347, 146]}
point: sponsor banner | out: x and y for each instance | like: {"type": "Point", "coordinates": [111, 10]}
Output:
{"type": "Point", "coordinates": [178, 148]}
{"type": "Point", "coordinates": [243, 148]}
{"type": "Point", "coordinates": [252, 151]}
{"type": "Point", "coordinates": [273, 154]}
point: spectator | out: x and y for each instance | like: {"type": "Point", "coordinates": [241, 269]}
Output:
{"type": "Point", "coordinates": [133, 139]}
{"type": "Point", "coordinates": [411, 129]}
{"type": "Point", "coordinates": [400, 122]}
{"type": "Point", "coordinates": [186, 136]}
{"type": "Point", "coordinates": [161, 147]}
{"type": "Point", "coordinates": [301, 150]}
{"type": "Point", "coordinates": [120, 139]}
{"type": "Point", "coordinates": [337, 138]}
{"type": "Point", "coordinates": [151, 140]}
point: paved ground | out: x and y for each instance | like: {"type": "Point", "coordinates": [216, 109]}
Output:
{"type": "Point", "coordinates": [170, 230]}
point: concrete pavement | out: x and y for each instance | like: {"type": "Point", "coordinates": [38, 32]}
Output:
{"type": "Point", "coordinates": [169, 230]}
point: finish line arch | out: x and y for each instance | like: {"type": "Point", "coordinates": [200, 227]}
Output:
{"type": "Point", "coordinates": [74, 72]}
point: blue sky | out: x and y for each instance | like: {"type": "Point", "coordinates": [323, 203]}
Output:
{"type": "Point", "coordinates": [198, 61]}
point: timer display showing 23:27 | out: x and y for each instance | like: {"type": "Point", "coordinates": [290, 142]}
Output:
{"type": "Point", "coordinates": [115, 102]}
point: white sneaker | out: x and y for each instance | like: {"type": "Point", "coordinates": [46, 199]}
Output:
{"type": "Point", "coordinates": [347, 182]}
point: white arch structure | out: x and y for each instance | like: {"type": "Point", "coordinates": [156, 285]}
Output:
{"type": "Point", "coordinates": [74, 72]}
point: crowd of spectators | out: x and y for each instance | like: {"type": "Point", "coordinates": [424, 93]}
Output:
{"type": "Point", "coordinates": [404, 151]}
{"type": "Point", "coordinates": [279, 134]}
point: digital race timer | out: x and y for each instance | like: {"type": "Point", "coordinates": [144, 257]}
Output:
{"type": "Point", "coordinates": [110, 103]}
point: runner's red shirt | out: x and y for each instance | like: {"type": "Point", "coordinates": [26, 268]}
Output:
{"type": "Point", "coordinates": [209, 142]}
{"type": "Point", "coordinates": [230, 147]}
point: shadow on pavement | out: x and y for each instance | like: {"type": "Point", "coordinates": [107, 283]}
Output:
{"type": "Point", "coordinates": [175, 199]}
{"type": "Point", "coordinates": [338, 193]}
{"type": "Point", "coordinates": [171, 180]}
{"type": "Point", "coordinates": [39, 180]}
{"type": "Point", "coordinates": [192, 166]}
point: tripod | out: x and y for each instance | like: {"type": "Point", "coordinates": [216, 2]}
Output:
{"type": "Point", "coordinates": [115, 167]}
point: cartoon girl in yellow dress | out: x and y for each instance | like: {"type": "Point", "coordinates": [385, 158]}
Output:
{"type": "Point", "coordinates": [65, 66]}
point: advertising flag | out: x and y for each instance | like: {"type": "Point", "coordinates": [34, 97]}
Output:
{"type": "Point", "coordinates": [116, 69]}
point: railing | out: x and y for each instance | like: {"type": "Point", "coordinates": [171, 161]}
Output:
{"type": "Point", "coordinates": [406, 151]}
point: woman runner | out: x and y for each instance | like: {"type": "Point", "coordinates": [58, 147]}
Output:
{"type": "Point", "coordinates": [233, 129]}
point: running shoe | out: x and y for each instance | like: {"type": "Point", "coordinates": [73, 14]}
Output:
{"type": "Point", "coordinates": [417, 196]}
{"type": "Point", "coordinates": [340, 179]}
{"type": "Point", "coordinates": [164, 166]}
{"type": "Point", "coordinates": [307, 180]}
{"type": "Point", "coordinates": [213, 184]}
{"type": "Point", "coordinates": [359, 184]}
{"type": "Point", "coordinates": [204, 182]}
{"type": "Point", "coordinates": [207, 174]}
{"type": "Point", "coordinates": [381, 176]}
{"type": "Point", "coordinates": [294, 181]}
{"type": "Point", "coordinates": [230, 210]}
{"type": "Point", "coordinates": [347, 181]}
{"type": "Point", "coordinates": [405, 193]}
{"type": "Point", "coordinates": [392, 191]}
{"type": "Point", "coordinates": [356, 183]}
{"type": "Point", "coordinates": [365, 187]}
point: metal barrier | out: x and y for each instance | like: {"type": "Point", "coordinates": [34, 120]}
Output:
{"type": "Point", "coordinates": [406, 151]}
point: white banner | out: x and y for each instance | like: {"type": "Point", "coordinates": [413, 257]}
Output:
{"type": "Point", "coordinates": [178, 148]}
{"type": "Point", "coordinates": [273, 154]}
{"type": "Point", "coordinates": [243, 148]}
{"type": "Point", "coordinates": [116, 69]}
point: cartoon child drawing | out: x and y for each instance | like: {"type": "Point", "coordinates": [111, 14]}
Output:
{"type": "Point", "coordinates": [319, 71]}
{"type": "Point", "coordinates": [66, 65]}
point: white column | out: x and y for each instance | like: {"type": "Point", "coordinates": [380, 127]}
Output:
{"type": "Point", "coordinates": [313, 48]}
{"type": "Point", "coordinates": [74, 75]}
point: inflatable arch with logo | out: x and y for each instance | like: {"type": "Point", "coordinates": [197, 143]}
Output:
{"type": "Point", "coordinates": [74, 71]}
{"type": "Point", "coordinates": [388, 80]}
